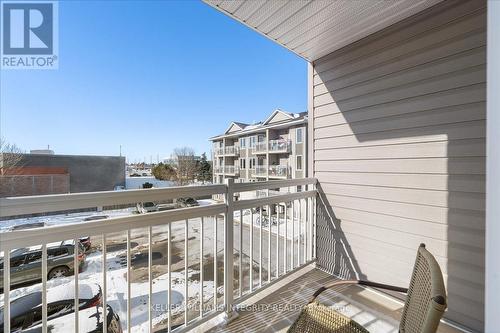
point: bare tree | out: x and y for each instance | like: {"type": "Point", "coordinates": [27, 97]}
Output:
{"type": "Point", "coordinates": [186, 165]}
{"type": "Point", "coordinates": [10, 158]}
{"type": "Point", "coordinates": [10, 155]}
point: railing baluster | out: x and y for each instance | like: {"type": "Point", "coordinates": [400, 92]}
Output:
{"type": "Point", "coordinates": [260, 246]}
{"type": "Point", "coordinates": [6, 290]}
{"type": "Point", "coordinates": [186, 296]}
{"type": "Point", "coordinates": [299, 222]}
{"type": "Point", "coordinates": [169, 282]}
{"type": "Point", "coordinates": [314, 224]}
{"type": "Point", "coordinates": [77, 293]}
{"type": "Point", "coordinates": [202, 235]}
{"type": "Point", "coordinates": [285, 246]}
{"type": "Point", "coordinates": [44, 288]}
{"type": "Point", "coordinates": [277, 240]}
{"type": "Point", "coordinates": [304, 216]}
{"type": "Point", "coordinates": [306, 230]}
{"type": "Point", "coordinates": [104, 289]}
{"type": "Point", "coordinates": [215, 263]}
{"type": "Point", "coordinates": [229, 248]}
{"type": "Point", "coordinates": [129, 264]}
{"type": "Point", "coordinates": [150, 274]}
{"type": "Point", "coordinates": [292, 263]}
{"type": "Point", "coordinates": [251, 250]}
{"type": "Point", "coordinates": [240, 264]}
{"type": "Point", "coordinates": [269, 243]}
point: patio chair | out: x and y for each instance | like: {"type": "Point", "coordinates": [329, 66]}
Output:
{"type": "Point", "coordinates": [424, 306]}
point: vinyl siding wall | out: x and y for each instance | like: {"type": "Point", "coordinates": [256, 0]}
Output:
{"type": "Point", "coordinates": [398, 123]}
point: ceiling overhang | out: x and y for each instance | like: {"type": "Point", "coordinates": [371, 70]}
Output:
{"type": "Point", "coordinates": [313, 29]}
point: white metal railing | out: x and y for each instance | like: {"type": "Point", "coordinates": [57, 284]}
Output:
{"type": "Point", "coordinates": [260, 147]}
{"type": "Point", "coordinates": [281, 226]}
{"type": "Point", "coordinates": [219, 169]}
{"type": "Point", "coordinates": [218, 151]}
{"type": "Point", "coordinates": [231, 150]}
{"type": "Point", "coordinates": [260, 171]}
{"type": "Point", "coordinates": [280, 146]}
{"type": "Point", "coordinates": [231, 169]}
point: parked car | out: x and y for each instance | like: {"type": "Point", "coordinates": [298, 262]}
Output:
{"type": "Point", "coordinates": [26, 263]}
{"type": "Point", "coordinates": [26, 311]}
{"type": "Point", "coordinates": [147, 207]}
{"type": "Point", "coordinates": [187, 202]}
{"type": "Point", "coordinates": [90, 321]}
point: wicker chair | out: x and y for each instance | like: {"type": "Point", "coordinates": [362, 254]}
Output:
{"type": "Point", "coordinates": [424, 307]}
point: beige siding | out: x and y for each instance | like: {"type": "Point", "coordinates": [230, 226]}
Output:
{"type": "Point", "coordinates": [398, 123]}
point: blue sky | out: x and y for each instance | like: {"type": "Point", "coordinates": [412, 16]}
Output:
{"type": "Point", "coordinates": [149, 75]}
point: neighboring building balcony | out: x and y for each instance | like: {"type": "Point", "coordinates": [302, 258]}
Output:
{"type": "Point", "coordinates": [219, 151]}
{"type": "Point", "coordinates": [279, 171]}
{"type": "Point", "coordinates": [218, 169]}
{"type": "Point", "coordinates": [260, 171]}
{"type": "Point", "coordinates": [231, 151]}
{"type": "Point", "coordinates": [280, 146]}
{"type": "Point", "coordinates": [231, 170]}
{"type": "Point", "coordinates": [260, 148]}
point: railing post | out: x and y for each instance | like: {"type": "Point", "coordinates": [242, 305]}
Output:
{"type": "Point", "coordinates": [229, 248]}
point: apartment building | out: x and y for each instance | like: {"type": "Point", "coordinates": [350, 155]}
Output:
{"type": "Point", "coordinates": [275, 148]}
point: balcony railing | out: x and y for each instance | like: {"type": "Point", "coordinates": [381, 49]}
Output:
{"type": "Point", "coordinates": [260, 148]}
{"type": "Point", "coordinates": [279, 171]}
{"type": "Point", "coordinates": [231, 150]}
{"type": "Point", "coordinates": [231, 170]}
{"type": "Point", "coordinates": [260, 171]}
{"type": "Point", "coordinates": [292, 228]}
{"type": "Point", "coordinates": [219, 169]}
{"type": "Point", "coordinates": [218, 151]}
{"type": "Point", "coordinates": [280, 146]}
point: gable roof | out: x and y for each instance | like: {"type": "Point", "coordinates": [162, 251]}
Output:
{"type": "Point", "coordinates": [240, 126]}
{"type": "Point", "coordinates": [275, 112]}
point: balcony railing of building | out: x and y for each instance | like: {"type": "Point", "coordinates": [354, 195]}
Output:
{"type": "Point", "coordinates": [218, 169]}
{"type": "Point", "coordinates": [280, 146]}
{"type": "Point", "coordinates": [218, 151]}
{"type": "Point", "coordinates": [231, 170]}
{"type": "Point", "coordinates": [231, 150]}
{"type": "Point", "coordinates": [260, 148]}
{"type": "Point", "coordinates": [260, 171]}
{"type": "Point", "coordinates": [289, 238]}
{"type": "Point", "coordinates": [279, 171]}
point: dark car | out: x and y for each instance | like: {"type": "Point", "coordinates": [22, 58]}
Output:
{"type": "Point", "coordinates": [187, 202]}
{"type": "Point", "coordinates": [26, 311]}
{"type": "Point", "coordinates": [90, 321]}
{"type": "Point", "coordinates": [26, 263]}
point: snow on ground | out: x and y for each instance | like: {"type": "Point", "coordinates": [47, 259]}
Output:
{"type": "Point", "coordinates": [117, 290]}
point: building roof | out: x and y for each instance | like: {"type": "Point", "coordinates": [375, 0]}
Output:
{"type": "Point", "coordinates": [313, 29]}
{"type": "Point", "coordinates": [278, 118]}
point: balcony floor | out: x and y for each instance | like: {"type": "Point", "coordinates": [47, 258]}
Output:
{"type": "Point", "coordinates": [378, 313]}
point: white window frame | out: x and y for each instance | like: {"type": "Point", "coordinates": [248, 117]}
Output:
{"type": "Point", "coordinates": [297, 135]}
{"type": "Point", "coordinates": [243, 142]}
{"type": "Point", "coordinates": [301, 163]}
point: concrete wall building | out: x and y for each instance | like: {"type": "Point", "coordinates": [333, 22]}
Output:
{"type": "Point", "coordinates": [38, 174]}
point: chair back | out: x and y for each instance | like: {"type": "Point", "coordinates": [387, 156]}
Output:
{"type": "Point", "coordinates": [426, 299]}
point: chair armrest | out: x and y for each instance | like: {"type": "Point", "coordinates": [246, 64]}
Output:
{"type": "Point", "coordinates": [360, 282]}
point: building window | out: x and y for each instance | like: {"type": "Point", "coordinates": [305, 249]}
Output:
{"type": "Point", "coordinates": [242, 163]}
{"type": "Point", "coordinates": [243, 142]}
{"type": "Point", "coordinates": [252, 141]}
{"type": "Point", "coordinates": [298, 165]}
{"type": "Point", "coordinates": [252, 163]}
{"type": "Point", "coordinates": [298, 135]}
